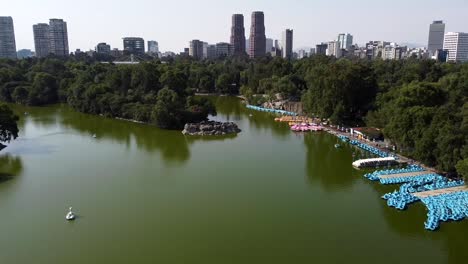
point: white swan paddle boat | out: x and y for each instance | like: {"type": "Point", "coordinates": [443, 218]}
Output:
{"type": "Point", "coordinates": [70, 215]}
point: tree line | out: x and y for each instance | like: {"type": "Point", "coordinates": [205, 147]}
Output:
{"type": "Point", "coordinates": [420, 105]}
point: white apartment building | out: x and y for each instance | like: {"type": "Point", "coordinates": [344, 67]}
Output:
{"type": "Point", "coordinates": [456, 43]}
{"type": "Point", "coordinates": [334, 49]}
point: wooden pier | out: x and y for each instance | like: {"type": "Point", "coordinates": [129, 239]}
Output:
{"type": "Point", "coordinates": [407, 174]}
{"type": "Point", "coordinates": [441, 191]}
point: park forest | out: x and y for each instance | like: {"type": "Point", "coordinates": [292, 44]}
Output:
{"type": "Point", "coordinates": [420, 105]}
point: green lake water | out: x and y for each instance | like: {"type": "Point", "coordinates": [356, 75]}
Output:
{"type": "Point", "coordinates": [145, 195]}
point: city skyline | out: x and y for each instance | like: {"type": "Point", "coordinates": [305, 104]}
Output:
{"type": "Point", "coordinates": [313, 23]}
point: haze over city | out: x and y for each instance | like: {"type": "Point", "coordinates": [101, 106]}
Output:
{"type": "Point", "coordinates": [174, 23]}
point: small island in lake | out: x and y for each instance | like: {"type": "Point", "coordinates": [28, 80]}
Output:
{"type": "Point", "coordinates": [210, 128]}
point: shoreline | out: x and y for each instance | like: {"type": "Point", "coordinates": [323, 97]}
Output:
{"type": "Point", "coordinates": [407, 160]}
{"type": "Point", "coordinates": [216, 94]}
{"type": "Point", "coordinates": [400, 157]}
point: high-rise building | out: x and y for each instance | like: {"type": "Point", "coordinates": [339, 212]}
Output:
{"type": "Point", "coordinates": [257, 35]}
{"type": "Point", "coordinates": [287, 44]}
{"type": "Point", "coordinates": [436, 36]}
{"type": "Point", "coordinates": [238, 34]}
{"type": "Point", "coordinates": [321, 49]}
{"type": "Point", "coordinates": [134, 45]}
{"type": "Point", "coordinates": [224, 49]}
{"type": "Point", "coordinates": [153, 47]}
{"type": "Point", "coordinates": [103, 48]}
{"type": "Point", "coordinates": [456, 43]}
{"type": "Point", "coordinates": [268, 45]}
{"type": "Point", "coordinates": [334, 49]}
{"type": "Point", "coordinates": [7, 38]}
{"type": "Point", "coordinates": [58, 36]}
{"type": "Point", "coordinates": [196, 49]}
{"type": "Point", "coordinates": [205, 50]}
{"type": "Point", "coordinates": [346, 41]}
{"type": "Point", "coordinates": [41, 39]}
{"type": "Point", "coordinates": [211, 52]}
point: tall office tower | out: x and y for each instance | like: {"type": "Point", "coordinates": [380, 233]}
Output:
{"type": "Point", "coordinates": [103, 48]}
{"type": "Point", "coordinates": [436, 36]}
{"type": "Point", "coordinates": [7, 38]}
{"type": "Point", "coordinates": [257, 35]}
{"type": "Point", "coordinates": [41, 39]}
{"type": "Point", "coordinates": [134, 45]}
{"type": "Point", "coordinates": [287, 44]}
{"type": "Point", "coordinates": [153, 47]}
{"type": "Point", "coordinates": [456, 43]}
{"type": "Point", "coordinates": [58, 35]}
{"type": "Point", "coordinates": [238, 34]}
{"type": "Point", "coordinates": [268, 45]}
{"type": "Point", "coordinates": [346, 41]}
{"type": "Point", "coordinates": [196, 49]}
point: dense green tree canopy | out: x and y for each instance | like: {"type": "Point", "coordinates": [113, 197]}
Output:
{"type": "Point", "coordinates": [420, 105]}
{"type": "Point", "coordinates": [8, 126]}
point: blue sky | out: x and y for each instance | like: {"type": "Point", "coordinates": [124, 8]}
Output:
{"type": "Point", "coordinates": [173, 23]}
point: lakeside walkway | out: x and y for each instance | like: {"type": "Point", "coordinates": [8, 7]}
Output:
{"type": "Point", "coordinates": [378, 145]}
{"type": "Point", "coordinates": [440, 191]}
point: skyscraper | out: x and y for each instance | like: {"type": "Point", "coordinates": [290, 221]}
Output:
{"type": "Point", "coordinates": [456, 43]}
{"type": "Point", "coordinates": [134, 45]}
{"type": "Point", "coordinates": [58, 35]}
{"type": "Point", "coordinates": [287, 43]}
{"type": "Point", "coordinates": [257, 35]}
{"type": "Point", "coordinates": [269, 45]}
{"type": "Point", "coordinates": [7, 38]}
{"type": "Point", "coordinates": [436, 36]}
{"type": "Point", "coordinates": [238, 34]}
{"type": "Point", "coordinates": [346, 41]}
{"type": "Point", "coordinates": [196, 49]}
{"type": "Point", "coordinates": [41, 39]}
{"type": "Point", "coordinates": [153, 47]}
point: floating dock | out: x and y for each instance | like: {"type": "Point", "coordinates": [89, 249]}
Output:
{"type": "Point", "coordinates": [407, 174]}
{"type": "Point", "coordinates": [441, 191]}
